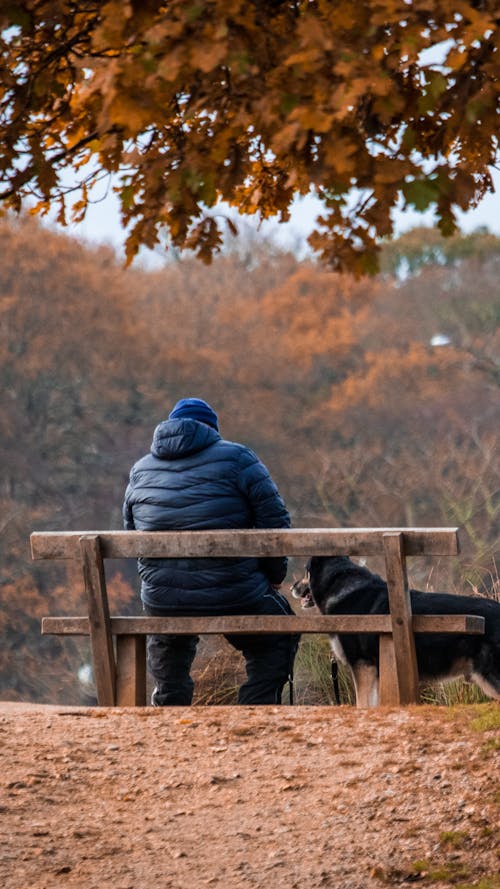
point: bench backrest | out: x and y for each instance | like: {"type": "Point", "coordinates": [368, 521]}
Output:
{"type": "Point", "coordinates": [303, 542]}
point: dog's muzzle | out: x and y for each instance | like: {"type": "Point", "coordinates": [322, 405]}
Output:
{"type": "Point", "coordinates": [301, 590]}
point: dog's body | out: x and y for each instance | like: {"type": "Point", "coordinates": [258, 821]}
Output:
{"type": "Point", "coordinates": [339, 586]}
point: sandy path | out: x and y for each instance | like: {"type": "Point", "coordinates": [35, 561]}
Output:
{"type": "Point", "coordinates": [249, 797]}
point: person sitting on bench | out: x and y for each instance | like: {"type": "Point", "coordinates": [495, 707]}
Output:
{"type": "Point", "coordinates": [193, 479]}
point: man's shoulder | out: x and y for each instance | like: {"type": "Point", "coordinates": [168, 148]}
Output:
{"type": "Point", "coordinates": [145, 462]}
{"type": "Point", "coordinates": [236, 450]}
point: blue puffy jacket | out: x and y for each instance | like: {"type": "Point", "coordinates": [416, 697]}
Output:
{"type": "Point", "coordinates": [194, 480]}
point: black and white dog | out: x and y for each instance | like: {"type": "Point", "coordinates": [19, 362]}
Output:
{"type": "Point", "coordinates": [338, 585]}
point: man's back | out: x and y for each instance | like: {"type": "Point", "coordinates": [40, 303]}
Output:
{"type": "Point", "coordinates": [194, 480]}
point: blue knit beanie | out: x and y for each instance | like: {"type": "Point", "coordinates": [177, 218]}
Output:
{"type": "Point", "coordinates": [195, 409]}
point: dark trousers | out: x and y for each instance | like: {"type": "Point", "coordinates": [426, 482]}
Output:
{"type": "Point", "coordinates": [269, 660]}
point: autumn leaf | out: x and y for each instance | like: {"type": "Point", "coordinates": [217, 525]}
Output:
{"type": "Point", "coordinates": [421, 193]}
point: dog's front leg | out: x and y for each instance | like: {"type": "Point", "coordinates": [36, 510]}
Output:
{"type": "Point", "coordinates": [365, 677]}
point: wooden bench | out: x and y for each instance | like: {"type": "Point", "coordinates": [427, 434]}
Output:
{"type": "Point", "coordinates": [121, 678]}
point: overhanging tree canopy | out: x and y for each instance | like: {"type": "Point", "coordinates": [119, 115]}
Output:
{"type": "Point", "coordinates": [186, 103]}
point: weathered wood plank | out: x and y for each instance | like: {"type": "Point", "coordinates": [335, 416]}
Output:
{"type": "Point", "coordinates": [130, 671]}
{"type": "Point", "coordinates": [267, 542]}
{"type": "Point", "coordinates": [345, 623]}
{"type": "Point", "coordinates": [388, 687]}
{"type": "Point", "coordinates": [101, 639]}
{"type": "Point", "coordinates": [402, 626]}
{"type": "Point", "coordinates": [446, 623]}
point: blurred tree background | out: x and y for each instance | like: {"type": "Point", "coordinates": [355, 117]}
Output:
{"type": "Point", "coordinates": [373, 403]}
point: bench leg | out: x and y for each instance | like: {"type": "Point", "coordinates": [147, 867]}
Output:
{"type": "Point", "coordinates": [101, 639]}
{"type": "Point", "coordinates": [388, 676]}
{"type": "Point", "coordinates": [131, 671]}
{"type": "Point", "coordinates": [406, 670]}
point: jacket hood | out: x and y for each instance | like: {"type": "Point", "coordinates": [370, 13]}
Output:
{"type": "Point", "coordinates": [173, 439]}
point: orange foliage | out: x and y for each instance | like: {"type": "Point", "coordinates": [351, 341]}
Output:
{"type": "Point", "coordinates": [187, 104]}
{"type": "Point", "coordinates": [414, 376]}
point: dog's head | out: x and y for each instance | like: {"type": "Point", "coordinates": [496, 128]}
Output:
{"type": "Point", "coordinates": [301, 589]}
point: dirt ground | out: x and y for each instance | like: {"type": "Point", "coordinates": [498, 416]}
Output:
{"type": "Point", "coordinates": [249, 797]}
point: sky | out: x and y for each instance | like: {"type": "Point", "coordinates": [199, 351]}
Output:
{"type": "Point", "coordinates": [102, 223]}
